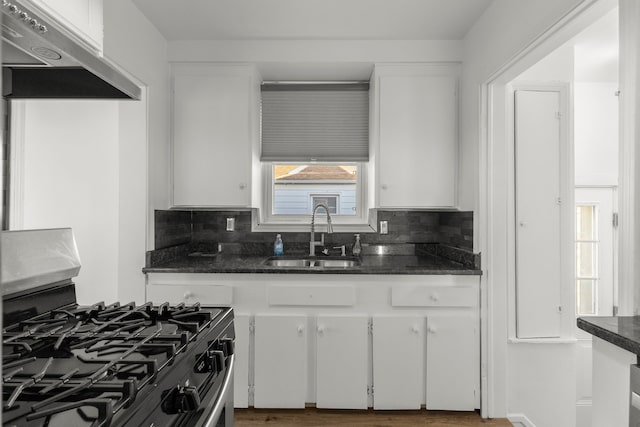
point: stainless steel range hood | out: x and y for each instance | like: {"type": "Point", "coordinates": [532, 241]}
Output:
{"type": "Point", "coordinates": [40, 61]}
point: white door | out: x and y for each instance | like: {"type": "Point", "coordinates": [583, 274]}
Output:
{"type": "Point", "coordinates": [595, 280]}
{"type": "Point", "coordinates": [280, 367]}
{"type": "Point", "coordinates": [342, 362]}
{"type": "Point", "coordinates": [538, 193]}
{"type": "Point", "coordinates": [398, 362]}
{"type": "Point", "coordinates": [595, 245]}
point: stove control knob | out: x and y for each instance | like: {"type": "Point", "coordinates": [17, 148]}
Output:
{"type": "Point", "coordinates": [188, 399]}
{"type": "Point", "coordinates": [181, 399]}
{"type": "Point", "coordinates": [226, 345]}
{"type": "Point", "coordinates": [207, 362]}
{"type": "Point", "coordinates": [218, 355]}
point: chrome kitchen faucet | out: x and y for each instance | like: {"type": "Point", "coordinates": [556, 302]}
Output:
{"type": "Point", "coordinates": [312, 240]}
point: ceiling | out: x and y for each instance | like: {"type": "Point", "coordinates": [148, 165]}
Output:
{"type": "Point", "coordinates": [313, 19]}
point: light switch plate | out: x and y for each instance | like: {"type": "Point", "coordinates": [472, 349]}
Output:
{"type": "Point", "coordinates": [231, 224]}
{"type": "Point", "coordinates": [384, 227]}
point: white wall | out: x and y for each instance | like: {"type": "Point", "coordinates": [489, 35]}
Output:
{"type": "Point", "coordinates": [292, 53]}
{"type": "Point", "coordinates": [101, 167]}
{"type": "Point", "coordinates": [135, 45]}
{"type": "Point", "coordinates": [596, 133]}
{"type": "Point", "coordinates": [70, 179]}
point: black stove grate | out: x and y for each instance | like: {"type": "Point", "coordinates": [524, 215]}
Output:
{"type": "Point", "coordinates": [89, 363]}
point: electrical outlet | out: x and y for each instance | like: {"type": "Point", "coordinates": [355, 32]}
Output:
{"type": "Point", "coordinates": [384, 227]}
{"type": "Point", "coordinates": [231, 224]}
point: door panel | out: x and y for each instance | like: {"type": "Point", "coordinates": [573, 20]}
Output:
{"type": "Point", "coordinates": [342, 348]}
{"type": "Point", "coordinates": [538, 214]}
{"type": "Point", "coordinates": [280, 361]}
{"type": "Point", "coordinates": [398, 362]}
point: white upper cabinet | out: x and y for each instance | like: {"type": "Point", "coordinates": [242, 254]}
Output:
{"type": "Point", "coordinates": [81, 18]}
{"type": "Point", "coordinates": [215, 110]}
{"type": "Point", "coordinates": [415, 135]}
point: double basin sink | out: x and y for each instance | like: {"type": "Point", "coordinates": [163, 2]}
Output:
{"type": "Point", "coordinates": [312, 262]}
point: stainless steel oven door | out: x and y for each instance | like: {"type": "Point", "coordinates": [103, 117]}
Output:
{"type": "Point", "coordinates": [220, 412]}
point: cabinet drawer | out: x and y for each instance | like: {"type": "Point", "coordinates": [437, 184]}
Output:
{"type": "Point", "coordinates": [205, 295]}
{"type": "Point", "coordinates": [433, 296]}
{"type": "Point", "coordinates": [298, 295]}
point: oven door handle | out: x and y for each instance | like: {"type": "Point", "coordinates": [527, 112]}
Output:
{"type": "Point", "coordinates": [221, 400]}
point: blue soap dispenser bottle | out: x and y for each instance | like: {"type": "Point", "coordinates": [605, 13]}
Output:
{"type": "Point", "coordinates": [278, 246]}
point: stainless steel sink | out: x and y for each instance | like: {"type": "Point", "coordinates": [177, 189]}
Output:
{"type": "Point", "coordinates": [277, 262]}
{"type": "Point", "coordinates": [337, 263]}
{"type": "Point", "coordinates": [309, 263]}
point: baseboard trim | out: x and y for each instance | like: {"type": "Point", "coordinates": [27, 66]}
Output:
{"type": "Point", "coordinates": [520, 420]}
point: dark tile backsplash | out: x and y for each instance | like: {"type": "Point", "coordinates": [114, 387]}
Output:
{"type": "Point", "coordinates": [206, 228]}
{"type": "Point", "coordinates": [172, 228]}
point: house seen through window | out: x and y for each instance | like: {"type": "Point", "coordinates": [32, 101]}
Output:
{"type": "Point", "coordinates": [299, 188]}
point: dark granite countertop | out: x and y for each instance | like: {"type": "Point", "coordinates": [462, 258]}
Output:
{"type": "Point", "coordinates": [370, 264]}
{"type": "Point", "coordinates": [622, 331]}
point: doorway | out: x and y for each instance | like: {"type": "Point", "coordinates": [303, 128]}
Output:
{"type": "Point", "coordinates": [588, 64]}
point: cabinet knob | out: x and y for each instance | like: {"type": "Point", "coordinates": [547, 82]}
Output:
{"type": "Point", "coordinates": [242, 185]}
{"type": "Point", "coordinates": [321, 330]}
{"type": "Point", "coordinates": [384, 186]}
{"type": "Point", "coordinates": [415, 329]}
{"type": "Point", "coordinates": [434, 297]}
{"type": "Point", "coordinates": [432, 329]}
{"type": "Point", "coordinates": [300, 330]}
{"type": "Point", "coordinates": [187, 295]}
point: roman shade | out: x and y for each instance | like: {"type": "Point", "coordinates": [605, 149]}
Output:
{"type": "Point", "coordinates": [315, 122]}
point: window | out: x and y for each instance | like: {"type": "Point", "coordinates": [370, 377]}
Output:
{"type": "Point", "coordinates": [330, 201]}
{"type": "Point", "coordinates": [314, 149]}
{"type": "Point", "coordinates": [586, 260]}
{"type": "Point", "coordinates": [294, 189]}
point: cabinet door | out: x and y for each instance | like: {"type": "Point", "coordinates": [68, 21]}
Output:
{"type": "Point", "coordinates": [212, 137]}
{"type": "Point", "coordinates": [418, 141]}
{"type": "Point", "coordinates": [241, 373]}
{"type": "Point", "coordinates": [280, 368]}
{"type": "Point", "coordinates": [398, 362]}
{"type": "Point", "coordinates": [342, 362]}
{"type": "Point", "coordinates": [453, 366]}
{"type": "Point", "coordinates": [83, 18]}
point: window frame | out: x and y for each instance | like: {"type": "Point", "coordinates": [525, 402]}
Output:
{"type": "Point", "coordinates": [595, 243]}
{"type": "Point", "coordinates": [363, 221]}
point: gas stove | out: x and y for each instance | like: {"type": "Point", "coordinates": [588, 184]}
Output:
{"type": "Point", "coordinates": [65, 364]}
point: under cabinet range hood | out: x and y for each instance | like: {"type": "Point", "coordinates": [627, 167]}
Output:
{"type": "Point", "coordinates": [40, 61]}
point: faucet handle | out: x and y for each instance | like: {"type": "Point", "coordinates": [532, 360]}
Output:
{"type": "Point", "coordinates": [343, 248]}
{"type": "Point", "coordinates": [325, 251]}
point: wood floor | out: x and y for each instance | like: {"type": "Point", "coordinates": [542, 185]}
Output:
{"type": "Point", "coordinates": [347, 418]}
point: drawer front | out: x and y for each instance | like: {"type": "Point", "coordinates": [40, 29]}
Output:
{"type": "Point", "coordinates": [205, 295]}
{"type": "Point", "coordinates": [297, 295]}
{"type": "Point", "coordinates": [433, 296]}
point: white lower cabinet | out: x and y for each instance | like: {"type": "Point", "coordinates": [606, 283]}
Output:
{"type": "Point", "coordinates": [204, 294]}
{"type": "Point", "coordinates": [341, 362]}
{"type": "Point", "coordinates": [280, 366]}
{"type": "Point", "coordinates": [398, 362]}
{"type": "Point", "coordinates": [453, 365]}
{"type": "Point", "coordinates": [305, 339]}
